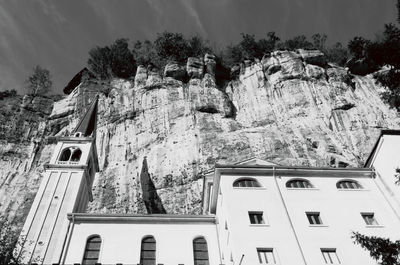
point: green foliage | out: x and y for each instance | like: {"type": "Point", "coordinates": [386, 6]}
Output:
{"type": "Point", "coordinates": [144, 53]}
{"type": "Point", "coordinates": [169, 47]}
{"type": "Point", "coordinates": [198, 47]}
{"type": "Point", "coordinates": [318, 41]}
{"type": "Point", "coordinates": [383, 250]}
{"type": "Point", "coordinates": [99, 61]}
{"type": "Point", "coordinates": [122, 61]}
{"type": "Point", "coordinates": [357, 47]}
{"type": "Point", "coordinates": [297, 42]}
{"type": "Point", "coordinates": [114, 61]}
{"type": "Point", "coordinates": [337, 54]}
{"type": "Point", "coordinates": [7, 93]}
{"type": "Point", "coordinates": [8, 240]}
{"type": "Point", "coordinates": [397, 176]}
{"type": "Point", "coordinates": [249, 48]}
{"type": "Point", "coordinates": [39, 83]}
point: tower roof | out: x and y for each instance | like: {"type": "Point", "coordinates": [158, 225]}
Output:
{"type": "Point", "coordinates": [87, 125]}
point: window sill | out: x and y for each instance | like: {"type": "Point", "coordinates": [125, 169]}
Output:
{"type": "Point", "coordinates": [249, 188]}
{"type": "Point", "coordinates": [322, 225]}
{"type": "Point", "coordinates": [353, 190]}
{"type": "Point", "coordinates": [259, 225]}
{"type": "Point", "coordinates": [374, 226]}
{"type": "Point", "coordinates": [302, 189]}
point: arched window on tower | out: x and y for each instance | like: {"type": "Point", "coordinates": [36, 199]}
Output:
{"type": "Point", "coordinates": [65, 154]}
{"type": "Point", "coordinates": [148, 251]}
{"type": "Point", "coordinates": [200, 251]}
{"type": "Point", "coordinates": [92, 250]}
{"type": "Point", "coordinates": [246, 183]}
{"type": "Point", "coordinates": [299, 184]}
{"type": "Point", "coordinates": [76, 155]}
{"type": "Point", "coordinates": [348, 184]}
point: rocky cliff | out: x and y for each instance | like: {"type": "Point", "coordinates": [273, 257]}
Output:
{"type": "Point", "coordinates": [292, 108]}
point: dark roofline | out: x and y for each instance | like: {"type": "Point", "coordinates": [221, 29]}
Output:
{"type": "Point", "coordinates": [383, 132]}
{"type": "Point", "coordinates": [140, 218]}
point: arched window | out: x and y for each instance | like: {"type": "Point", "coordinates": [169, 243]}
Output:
{"type": "Point", "coordinates": [246, 182]}
{"type": "Point", "coordinates": [76, 155]}
{"type": "Point", "coordinates": [65, 155]}
{"type": "Point", "coordinates": [348, 184]}
{"type": "Point", "coordinates": [92, 250]}
{"type": "Point", "coordinates": [148, 251]}
{"type": "Point", "coordinates": [299, 184]}
{"type": "Point", "coordinates": [200, 251]}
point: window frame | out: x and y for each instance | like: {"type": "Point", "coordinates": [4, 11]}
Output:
{"type": "Point", "coordinates": [312, 187]}
{"type": "Point", "coordinates": [141, 248]}
{"type": "Point", "coordinates": [365, 214]}
{"type": "Point", "coordinates": [321, 223]}
{"type": "Point", "coordinates": [257, 213]}
{"type": "Point", "coordinates": [328, 251]}
{"type": "Point", "coordinates": [91, 237]}
{"type": "Point", "coordinates": [72, 150]}
{"type": "Point", "coordinates": [194, 250]}
{"type": "Point", "coordinates": [357, 184]}
{"type": "Point", "coordinates": [264, 251]}
{"type": "Point", "coordinates": [252, 180]}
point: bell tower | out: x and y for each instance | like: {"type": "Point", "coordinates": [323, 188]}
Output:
{"type": "Point", "coordinates": [65, 188]}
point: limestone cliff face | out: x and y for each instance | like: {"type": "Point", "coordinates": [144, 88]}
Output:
{"type": "Point", "coordinates": [290, 107]}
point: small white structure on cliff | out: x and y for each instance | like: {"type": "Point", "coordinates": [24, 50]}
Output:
{"type": "Point", "coordinates": [254, 212]}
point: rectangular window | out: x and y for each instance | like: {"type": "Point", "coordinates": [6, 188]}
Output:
{"type": "Point", "coordinates": [369, 218]}
{"type": "Point", "coordinates": [266, 256]}
{"type": "Point", "coordinates": [314, 218]}
{"type": "Point", "coordinates": [256, 217]}
{"type": "Point", "coordinates": [330, 256]}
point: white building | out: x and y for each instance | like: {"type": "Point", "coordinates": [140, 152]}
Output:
{"type": "Point", "coordinates": [254, 212]}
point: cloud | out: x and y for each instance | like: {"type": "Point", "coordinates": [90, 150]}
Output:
{"type": "Point", "coordinates": [189, 5]}
{"type": "Point", "coordinates": [50, 9]}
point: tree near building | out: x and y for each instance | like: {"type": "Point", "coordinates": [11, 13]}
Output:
{"type": "Point", "coordinates": [383, 250]}
{"type": "Point", "coordinates": [39, 82]}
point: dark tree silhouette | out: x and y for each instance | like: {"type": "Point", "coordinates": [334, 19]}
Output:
{"type": "Point", "coordinates": [383, 250]}
{"type": "Point", "coordinates": [39, 82]}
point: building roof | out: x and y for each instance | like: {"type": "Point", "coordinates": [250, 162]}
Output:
{"type": "Point", "coordinates": [374, 149]}
{"type": "Point", "coordinates": [77, 79]}
{"type": "Point", "coordinates": [140, 218]}
{"type": "Point", "coordinates": [87, 125]}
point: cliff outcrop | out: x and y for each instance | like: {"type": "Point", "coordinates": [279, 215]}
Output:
{"type": "Point", "coordinates": [292, 108]}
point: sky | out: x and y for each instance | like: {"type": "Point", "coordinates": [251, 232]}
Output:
{"type": "Point", "coordinates": [57, 34]}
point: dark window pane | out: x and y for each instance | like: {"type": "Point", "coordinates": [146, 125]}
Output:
{"type": "Point", "coordinates": [200, 251]}
{"type": "Point", "coordinates": [148, 251]}
{"type": "Point", "coordinates": [92, 250]}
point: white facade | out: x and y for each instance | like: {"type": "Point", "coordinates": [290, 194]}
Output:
{"type": "Point", "coordinates": [287, 231]}
{"type": "Point", "coordinates": [255, 212]}
{"type": "Point", "coordinates": [122, 235]}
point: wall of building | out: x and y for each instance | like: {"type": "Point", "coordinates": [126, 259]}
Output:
{"type": "Point", "coordinates": [121, 241]}
{"type": "Point", "coordinates": [287, 229]}
{"type": "Point", "coordinates": [385, 162]}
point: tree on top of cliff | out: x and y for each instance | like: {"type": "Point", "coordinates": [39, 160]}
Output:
{"type": "Point", "coordinates": [114, 61]}
{"type": "Point", "coordinates": [249, 48]}
{"type": "Point", "coordinates": [39, 82]}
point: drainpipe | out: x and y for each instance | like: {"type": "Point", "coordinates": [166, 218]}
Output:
{"type": "Point", "coordinates": [288, 216]}
{"type": "Point", "coordinates": [67, 240]}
